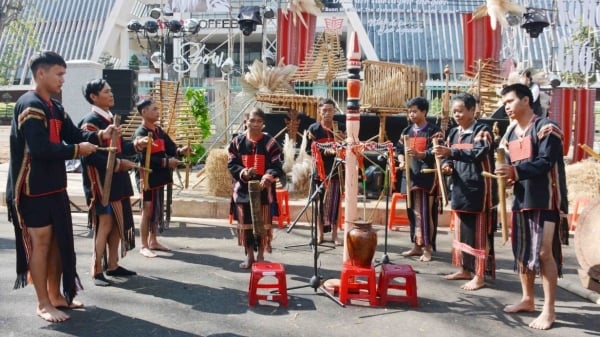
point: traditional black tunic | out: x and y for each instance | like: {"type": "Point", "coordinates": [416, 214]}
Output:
{"type": "Point", "coordinates": [423, 215]}
{"type": "Point", "coordinates": [539, 190]}
{"type": "Point", "coordinates": [473, 196]}
{"type": "Point", "coordinates": [42, 137]}
{"type": "Point", "coordinates": [94, 172]}
{"type": "Point", "coordinates": [264, 155]}
{"type": "Point", "coordinates": [163, 148]}
{"type": "Point", "coordinates": [329, 202]}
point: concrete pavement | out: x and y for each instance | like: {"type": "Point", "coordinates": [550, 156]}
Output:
{"type": "Point", "coordinates": [198, 289]}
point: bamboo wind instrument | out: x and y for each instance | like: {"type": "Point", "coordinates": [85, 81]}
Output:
{"type": "Point", "coordinates": [188, 164]}
{"type": "Point", "coordinates": [407, 164]}
{"type": "Point", "coordinates": [589, 151]}
{"type": "Point", "coordinates": [106, 149]}
{"type": "Point", "coordinates": [446, 101]}
{"type": "Point", "coordinates": [141, 168]}
{"type": "Point", "coordinates": [146, 173]}
{"type": "Point", "coordinates": [255, 211]}
{"type": "Point", "coordinates": [110, 163]}
{"type": "Point", "coordinates": [438, 172]}
{"type": "Point", "coordinates": [500, 159]}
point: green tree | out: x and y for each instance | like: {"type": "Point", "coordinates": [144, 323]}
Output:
{"type": "Point", "coordinates": [134, 62]}
{"type": "Point", "coordinates": [585, 37]}
{"type": "Point", "coordinates": [17, 22]}
{"type": "Point", "coordinates": [200, 110]}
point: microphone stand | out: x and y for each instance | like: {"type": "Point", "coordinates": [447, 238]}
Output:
{"type": "Point", "coordinates": [385, 258]}
{"type": "Point", "coordinates": [315, 280]}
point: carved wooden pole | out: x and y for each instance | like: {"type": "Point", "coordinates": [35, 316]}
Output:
{"type": "Point", "coordinates": [352, 128]}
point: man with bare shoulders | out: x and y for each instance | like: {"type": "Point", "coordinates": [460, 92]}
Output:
{"type": "Point", "coordinates": [42, 137]}
{"type": "Point", "coordinates": [535, 166]}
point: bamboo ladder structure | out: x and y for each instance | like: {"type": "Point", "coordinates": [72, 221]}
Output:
{"type": "Point", "coordinates": [485, 77]}
{"type": "Point", "coordinates": [387, 87]}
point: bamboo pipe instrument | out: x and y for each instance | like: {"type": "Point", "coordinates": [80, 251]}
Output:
{"type": "Point", "coordinates": [440, 176]}
{"type": "Point", "coordinates": [107, 149]}
{"type": "Point", "coordinates": [188, 164]}
{"type": "Point", "coordinates": [590, 151]}
{"type": "Point", "coordinates": [110, 163]}
{"type": "Point", "coordinates": [407, 164]}
{"type": "Point", "coordinates": [143, 169]}
{"type": "Point", "coordinates": [146, 173]}
{"type": "Point", "coordinates": [500, 159]}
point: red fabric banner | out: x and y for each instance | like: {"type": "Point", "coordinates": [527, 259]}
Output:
{"type": "Point", "coordinates": [584, 122]}
{"type": "Point", "coordinates": [479, 40]}
{"type": "Point", "coordinates": [294, 40]}
{"type": "Point", "coordinates": [561, 111]}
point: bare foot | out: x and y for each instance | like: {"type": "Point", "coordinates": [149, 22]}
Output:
{"type": "Point", "coordinates": [543, 322]}
{"type": "Point", "coordinates": [459, 275]}
{"type": "Point", "coordinates": [246, 264]}
{"type": "Point", "coordinates": [412, 252]}
{"type": "Point", "coordinates": [51, 314]}
{"type": "Point", "coordinates": [146, 252]}
{"type": "Point", "coordinates": [61, 303]}
{"type": "Point", "coordinates": [524, 305]}
{"type": "Point", "coordinates": [476, 283]}
{"type": "Point", "coordinates": [159, 247]}
{"type": "Point", "coordinates": [426, 257]}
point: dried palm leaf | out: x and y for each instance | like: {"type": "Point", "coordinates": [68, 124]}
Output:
{"type": "Point", "coordinates": [297, 7]}
{"type": "Point", "coordinates": [497, 10]}
{"type": "Point", "coordinates": [263, 79]}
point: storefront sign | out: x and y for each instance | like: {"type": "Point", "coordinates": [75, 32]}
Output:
{"type": "Point", "coordinates": [194, 54]}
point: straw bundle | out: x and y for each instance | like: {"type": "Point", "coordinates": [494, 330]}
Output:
{"type": "Point", "coordinates": [219, 178]}
{"type": "Point", "coordinates": [263, 79]}
{"type": "Point", "coordinates": [302, 168]}
{"type": "Point", "coordinates": [583, 180]}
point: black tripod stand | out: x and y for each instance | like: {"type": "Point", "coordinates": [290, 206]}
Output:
{"type": "Point", "coordinates": [387, 186]}
{"type": "Point", "coordinates": [315, 280]}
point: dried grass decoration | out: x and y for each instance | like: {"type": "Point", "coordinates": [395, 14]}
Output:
{"type": "Point", "coordinates": [263, 79]}
{"type": "Point", "coordinates": [583, 180]}
{"type": "Point", "coordinates": [219, 178]}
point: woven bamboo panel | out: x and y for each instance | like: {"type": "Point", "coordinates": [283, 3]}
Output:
{"type": "Point", "coordinates": [325, 61]}
{"type": "Point", "coordinates": [485, 80]}
{"type": "Point", "coordinates": [134, 120]}
{"type": "Point", "coordinates": [308, 105]}
{"type": "Point", "coordinates": [388, 86]}
{"type": "Point", "coordinates": [176, 116]}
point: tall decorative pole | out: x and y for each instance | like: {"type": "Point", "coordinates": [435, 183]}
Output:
{"type": "Point", "coordinates": [352, 128]}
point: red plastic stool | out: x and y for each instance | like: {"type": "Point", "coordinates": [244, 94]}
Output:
{"type": "Point", "coordinates": [263, 269]}
{"type": "Point", "coordinates": [283, 205]}
{"type": "Point", "coordinates": [351, 288]}
{"type": "Point", "coordinates": [389, 272]}
{"type": "Point", "coordinates": [393, 218]}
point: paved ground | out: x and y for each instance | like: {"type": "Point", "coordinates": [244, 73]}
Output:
{"type": "Point", "coordinates": [198, 290]}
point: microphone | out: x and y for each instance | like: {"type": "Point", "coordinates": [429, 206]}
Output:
{"type": "Point", "coordinates": [382, 157]}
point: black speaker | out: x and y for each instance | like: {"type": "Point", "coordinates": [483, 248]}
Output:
{"type": "Point", "coordinates": [124, 87]}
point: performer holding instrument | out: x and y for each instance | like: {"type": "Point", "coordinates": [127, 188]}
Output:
{"type": "Point", "coordinates": [468, 153]}
{"type": "Point", "coordinates": [327, 132]}
{"type": "Point", "coordinates": [254, 162]}
{"type": "Point", "coordinates": [106, 177]}
{"type": "Point", "coordinates": [163, 157]}
{"type": "Point", "coordinates": [536, 169]}
{"type": "Point", "coordinates": [416, 142]}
